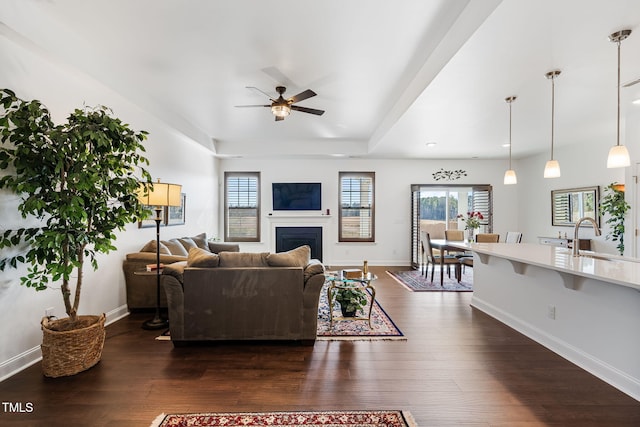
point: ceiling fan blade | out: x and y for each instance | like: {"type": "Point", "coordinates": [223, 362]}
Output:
{"type": "Point", "coordinates": [307, 110]}
{"type": "Point", "coordinates": [245, 106]}
{"type": "Point", "coordinates": [302, 96]}
{"type": "Point", "coordinates": [278, 118]}
{"type": "Point", "coordinates": [631, 83]}
{"type": "Point", "coordinates": [260, 91]}
{"type": "Point", "coordinates": [278, 76]}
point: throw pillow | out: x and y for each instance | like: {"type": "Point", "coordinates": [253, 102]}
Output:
{"type": "Point", "coordinates": [188, 243]}
{"type": "Point", "coordinates": [175, 247]}
{"type": "Point", "coordinates": [199, 257]}
{"type": "Point", "coordinates": [201, 240]}
{"type": "Point", "coordinates": [151, 247]}
{"type": "Point", "coordinates": [298, 257]}
{"type": "Point", "coordinates": [243, 259]}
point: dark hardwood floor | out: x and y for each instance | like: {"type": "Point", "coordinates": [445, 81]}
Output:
{"type": "Point", "coordinates": [458, 367]}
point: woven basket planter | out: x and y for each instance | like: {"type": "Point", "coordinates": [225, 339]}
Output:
{"type": "Point", "coordinates": [68, 352]}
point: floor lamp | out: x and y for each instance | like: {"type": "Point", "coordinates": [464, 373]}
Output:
{"type": "Point", "coordinates": [159, 195]}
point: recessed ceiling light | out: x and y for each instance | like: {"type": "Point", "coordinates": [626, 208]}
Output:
{"type": "Point", "coordinates": [506, 145]}
{"type": "Point", "coordinates": [637, 101]}
{"type": "Point", "coordinates": [431, 144]}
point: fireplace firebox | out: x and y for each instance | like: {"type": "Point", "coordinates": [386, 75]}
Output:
{"type": "Point", "coordinates": [288, 238]}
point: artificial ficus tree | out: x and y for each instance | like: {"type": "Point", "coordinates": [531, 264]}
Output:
{"type": "Point", "coordinates": [78, 179]}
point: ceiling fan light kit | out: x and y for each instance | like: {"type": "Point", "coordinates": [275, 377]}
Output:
{"type": "Point", "coordinates": [281, 110]}
{"type": "Point", "coordinates": [552, 167]}
{"type": "Point", "coordinates": [510, 177]}
{"type": "Point", "coordinates": [618, 154]}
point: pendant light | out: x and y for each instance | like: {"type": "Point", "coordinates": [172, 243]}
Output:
{"type": "Point", "coordinates": [510, 175]}
{"type": "Point", "coordinates": [618, 154]}
{"type": "Point", "coordinates": [552, 168]}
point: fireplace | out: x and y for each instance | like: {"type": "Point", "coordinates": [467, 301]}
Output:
{"type": "Point", "coordinates": [288, 238]}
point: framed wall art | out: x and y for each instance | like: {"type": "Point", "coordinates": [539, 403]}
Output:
{"type": "Point", "coordinates": [176, 215]}
{"type": "Point", "coordinates": [149, 220]}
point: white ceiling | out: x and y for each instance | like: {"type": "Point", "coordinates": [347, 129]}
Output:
{"type": "Point", "coordinates": [391, 75]}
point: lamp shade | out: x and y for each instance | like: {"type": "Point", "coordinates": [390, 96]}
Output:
{"type": "Point", "coordinates": [160, 194]}
{"type": "Point", "coordinates": [552, 169]}
{"type": "Point", "coordinates": [618, 157]}
{"type": "Point", "coordinates": [510, 177]}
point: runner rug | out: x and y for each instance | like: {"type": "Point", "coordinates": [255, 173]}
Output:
{"type": "Point", "coordinates": [382, 327]}
{"type": "Point", "coordinates": [289, 419]}
{"type": "Point", "coordinates": [416, 282]}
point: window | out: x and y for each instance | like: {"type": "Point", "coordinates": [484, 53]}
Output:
{"type": "Point", "coordinates": [356, 216]}
{"type": "Point", "coordinates": [242, 206]}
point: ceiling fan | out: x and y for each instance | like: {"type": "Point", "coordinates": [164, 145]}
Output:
{"type": "Point", "coordinates": [282, 107]}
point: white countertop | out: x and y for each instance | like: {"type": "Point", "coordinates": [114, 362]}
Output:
{"type": "Point", "coordinates": [615, 269]}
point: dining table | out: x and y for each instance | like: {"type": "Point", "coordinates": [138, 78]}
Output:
{"type": "Point", "coordinates": [444, 245]}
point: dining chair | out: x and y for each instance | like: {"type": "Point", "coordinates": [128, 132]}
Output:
{"type": "Point", "coordinates": [487, 238]}
{"type": "Point", "coordinates": [434, 260]}
{"type": "Point", "coordinates": [467, 261]}
{"type": "Point", "coordinates": [455, 236]}
{"type": "Point", "coordinates": [513, 237]}
{"type": "Point", "coordinates": [423, 253]}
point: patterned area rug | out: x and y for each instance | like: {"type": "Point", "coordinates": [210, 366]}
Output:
{"type": "Point", "coordinates": [414, 281]}
{"type": "Point", "coordinates": [289, 419]}
{"type": "Point", "coordinates": [382, 327]}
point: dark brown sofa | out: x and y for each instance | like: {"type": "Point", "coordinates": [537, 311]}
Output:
{"type": "Point", "coordinates": [244, 296]}
{"type": "Point", "coordinates": [141, 289]}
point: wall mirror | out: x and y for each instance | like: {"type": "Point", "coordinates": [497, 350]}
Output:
{"type": "Point", "coordinates": [569, 205]}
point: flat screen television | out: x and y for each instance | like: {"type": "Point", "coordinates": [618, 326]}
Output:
{"type": "Point", "coordinates": [297, 196]}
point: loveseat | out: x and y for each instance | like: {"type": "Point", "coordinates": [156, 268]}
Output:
{"type": "Point", "coordinates": [244, 296]}
{"type": "Point", "coordinates": [141, 289]}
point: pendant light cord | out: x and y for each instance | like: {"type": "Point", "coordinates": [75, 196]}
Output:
{"type": "Point", "coordinates": [618, 118]}
{"type": "Point", "coordinates": [553, 109]}
{"type": "Point", "coordinates": [510, 135]}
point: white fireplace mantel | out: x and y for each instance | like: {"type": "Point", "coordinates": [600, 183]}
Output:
{"type": "Point", "coordinates": [302, 217]}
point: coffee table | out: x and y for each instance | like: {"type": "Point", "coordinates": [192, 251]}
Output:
{"type": "Point", "coordinates": [338, 281]}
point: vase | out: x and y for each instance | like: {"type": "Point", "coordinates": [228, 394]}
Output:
{"type": "Point", "coordinates": [470, 233]}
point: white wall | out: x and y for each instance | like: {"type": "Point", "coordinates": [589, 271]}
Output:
{"type": "Point", "coordinates": [582, 165]}
{"type": "Point", "coordinates": [392, 198]}
{"type": "Point", "coordinates": [174, 158]}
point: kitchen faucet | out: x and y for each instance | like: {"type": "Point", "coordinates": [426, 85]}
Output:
{"type": "Point", "coordinates": [576, 240]}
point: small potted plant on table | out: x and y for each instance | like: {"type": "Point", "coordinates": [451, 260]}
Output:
{"type": "Point", "coordinates": [351, 300]}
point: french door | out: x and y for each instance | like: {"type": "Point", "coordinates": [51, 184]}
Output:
{"type": "Point", "coordinates": [434, 208]}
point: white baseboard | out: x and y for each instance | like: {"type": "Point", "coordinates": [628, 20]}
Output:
{"type": "Point", "coordinates": [593, 365]}
{"type": "Point", "coordinates": [32, 356]}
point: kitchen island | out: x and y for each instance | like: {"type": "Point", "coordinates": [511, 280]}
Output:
{"type": "Point", "coordinates": [586, 309]}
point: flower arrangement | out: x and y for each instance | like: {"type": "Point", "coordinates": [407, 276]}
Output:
{"type": "Point", "coordinates": [472, 221]}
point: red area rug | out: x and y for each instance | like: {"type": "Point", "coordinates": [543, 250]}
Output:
{"type": "Point", "coordinates": [416, 282]}
{"type": "Point", "coordinates": [289, 419]}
